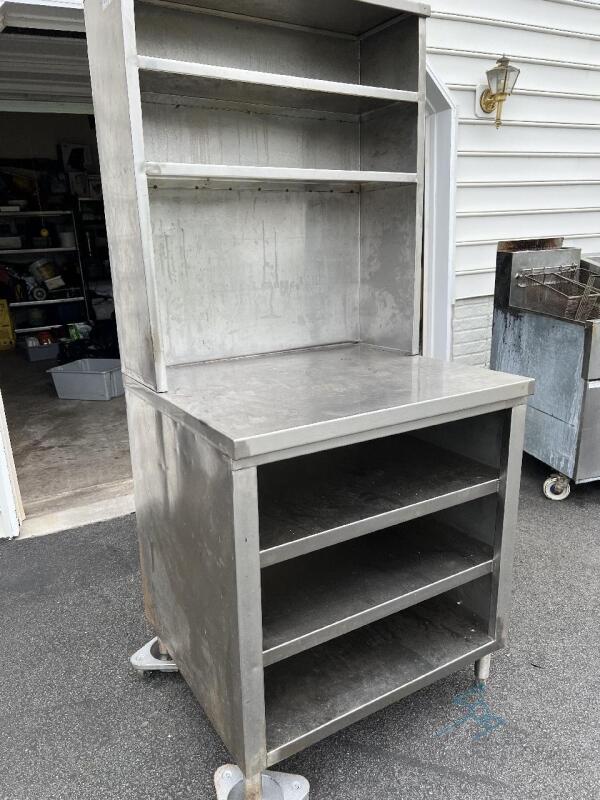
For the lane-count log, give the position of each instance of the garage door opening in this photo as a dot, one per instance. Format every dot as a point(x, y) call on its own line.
point(56, 308)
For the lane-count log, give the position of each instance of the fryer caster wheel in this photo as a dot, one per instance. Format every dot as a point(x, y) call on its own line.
point(557, 487)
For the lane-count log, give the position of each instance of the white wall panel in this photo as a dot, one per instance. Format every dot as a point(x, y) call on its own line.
point(545, 136)
point(565, 15)
point(536, 107)
point(506, 196)
point(512, 167)
point(529, 225)
point(478, 34)
point(470, 68)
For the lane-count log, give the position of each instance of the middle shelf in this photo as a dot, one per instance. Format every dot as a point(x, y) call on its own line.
point(178, 175)
point(323, 595)
point(214, 82)
point(322, 499)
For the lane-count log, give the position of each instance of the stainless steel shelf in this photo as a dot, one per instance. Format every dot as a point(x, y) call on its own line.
point(29, 303)
point(26, 251)
point(42, 328)
point(364, 488)
point(171, 175)
point(184, 78)
point(319, 597)
point(316, 693)
point(35, 213)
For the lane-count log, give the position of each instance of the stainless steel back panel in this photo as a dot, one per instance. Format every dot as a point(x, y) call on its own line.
point(388, 233)
point(247, 44)
point(209, 133)
point(245, 271)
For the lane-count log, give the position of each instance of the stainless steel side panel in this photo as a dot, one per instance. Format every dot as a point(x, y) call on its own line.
point(115, 87)
point(591, 361)
point(198, 531)
point(588, 462)
point(551, 351)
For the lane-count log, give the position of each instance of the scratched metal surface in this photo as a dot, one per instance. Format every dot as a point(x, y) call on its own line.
point(188, 526)
point(245, 272)
point(251, 401)
point(551, 351)
point(217, 133)
point(246, 44)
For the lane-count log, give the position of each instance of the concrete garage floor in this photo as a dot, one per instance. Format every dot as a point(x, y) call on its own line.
point(77, 723)
point(67, 452)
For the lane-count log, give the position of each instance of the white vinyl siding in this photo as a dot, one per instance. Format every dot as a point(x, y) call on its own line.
point(539, 175)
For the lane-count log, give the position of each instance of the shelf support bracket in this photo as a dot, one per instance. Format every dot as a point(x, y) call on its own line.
point(230, 784)
point(153, 657)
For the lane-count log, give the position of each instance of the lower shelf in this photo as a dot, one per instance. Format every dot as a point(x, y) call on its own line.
point(320, 691)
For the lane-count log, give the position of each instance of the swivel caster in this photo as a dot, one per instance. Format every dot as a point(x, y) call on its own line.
point(557, 487)
point(230, 784)
point(153, 657)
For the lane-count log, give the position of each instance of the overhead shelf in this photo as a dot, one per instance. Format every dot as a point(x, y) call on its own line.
point(18, 213)
point(190, 79)
point(365, 488)
point(27, 251)
point(53, 302)
point(318, 597)
point(171, 175)
point(40, 328)
point(322, 690)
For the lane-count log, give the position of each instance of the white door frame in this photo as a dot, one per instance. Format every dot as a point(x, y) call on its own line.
point(11, 507)
point(12, 513)
point(439, 219)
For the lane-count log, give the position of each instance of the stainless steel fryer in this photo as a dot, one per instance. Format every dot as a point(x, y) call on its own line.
point(547, 326)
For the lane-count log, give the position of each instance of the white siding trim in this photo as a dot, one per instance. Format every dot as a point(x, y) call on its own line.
point(522, 59)
point(520, 26)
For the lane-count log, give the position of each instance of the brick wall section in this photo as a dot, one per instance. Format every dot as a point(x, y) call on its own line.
point(472, 330)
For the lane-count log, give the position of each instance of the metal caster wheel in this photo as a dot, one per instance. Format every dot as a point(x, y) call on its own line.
point(152, 657)
point(557, 487)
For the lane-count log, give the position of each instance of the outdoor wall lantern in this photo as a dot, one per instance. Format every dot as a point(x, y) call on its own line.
point(501, 82)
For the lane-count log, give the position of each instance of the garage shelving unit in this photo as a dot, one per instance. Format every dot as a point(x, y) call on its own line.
point(325, 517)
point(21, 258)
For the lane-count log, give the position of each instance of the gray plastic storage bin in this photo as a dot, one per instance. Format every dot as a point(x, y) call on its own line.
point(88, 379)
point(45, 352)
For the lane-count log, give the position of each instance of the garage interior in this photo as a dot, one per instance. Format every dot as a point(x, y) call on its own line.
point(55, 280)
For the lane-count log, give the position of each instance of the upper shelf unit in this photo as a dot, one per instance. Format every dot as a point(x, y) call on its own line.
point(188, 79)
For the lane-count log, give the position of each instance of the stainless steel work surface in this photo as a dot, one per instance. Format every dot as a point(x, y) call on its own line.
point(253, 406)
